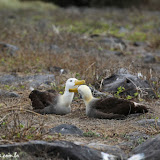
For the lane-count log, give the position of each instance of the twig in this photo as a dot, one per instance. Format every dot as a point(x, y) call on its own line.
point(7, 141)
point(90, 66)
point(4, 117)
point(25, 110)
point(138, 88)
point(101, 84)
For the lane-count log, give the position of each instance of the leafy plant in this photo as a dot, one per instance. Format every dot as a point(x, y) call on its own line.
point(129, 97)
point(90, 134)
point(140, 140)
point(136, 94)
point(3, 136)
point(119, 90)
point(78, 76)
point(29, 136)
point(137, 36)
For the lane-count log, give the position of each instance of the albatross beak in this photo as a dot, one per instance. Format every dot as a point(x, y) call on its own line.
point(75, 90)
point(79, 82)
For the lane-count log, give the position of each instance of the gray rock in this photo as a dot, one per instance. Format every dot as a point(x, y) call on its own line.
point(131, 84)
point(37, 80)
point(113, 150)
point(123, 30)
point(8, 94)
point(67, 129)
point(116, 53)
point(9, 79)
point(146, 122)
point(42, 24)
point(156, 68)
point(157, 52)
point(113, 42)
point(149, 150)
point(149, 59)
point(54, 48)
point(137, 137)
point(158, 29)
point(97, 93)
point(8, 49)
point(123, 71)
point(127, 144)
point(55, 150)
point(12, 94)
point(57, 70)
point(138, 44)
point(32, 81)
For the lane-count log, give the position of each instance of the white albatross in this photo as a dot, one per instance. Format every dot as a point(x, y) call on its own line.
point(50, 102)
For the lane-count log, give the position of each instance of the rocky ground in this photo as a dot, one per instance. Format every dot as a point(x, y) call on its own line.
point(41, 46)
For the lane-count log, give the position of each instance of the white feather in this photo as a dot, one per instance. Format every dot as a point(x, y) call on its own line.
point(31, 88)
point(107, 156)
point(139, 156)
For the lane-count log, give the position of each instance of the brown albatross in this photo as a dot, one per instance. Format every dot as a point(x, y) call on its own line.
point(107, 108)
point(50, 102)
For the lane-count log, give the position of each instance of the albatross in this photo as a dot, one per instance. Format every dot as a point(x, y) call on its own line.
point(50, 102)
point(107, 108)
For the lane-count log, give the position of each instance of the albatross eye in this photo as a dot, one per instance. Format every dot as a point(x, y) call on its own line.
point(70, 80)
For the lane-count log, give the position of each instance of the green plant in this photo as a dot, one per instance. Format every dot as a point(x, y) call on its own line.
point(137, 36)
point(140, 99)
point(18, 135)
point(78, 76)
point(7, 87)
point(49, 137)
point(3, 136)
point(90, 134)
point(136, 94)
point(22, 86)
point(140, 140)
point(60, 92)
point(119, 90)
point(4, 123)
point(29, 136)
point(21, 126)
point(129, 97)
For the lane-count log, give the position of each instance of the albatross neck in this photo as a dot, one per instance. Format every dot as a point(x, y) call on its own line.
point(68, 96)
point(87, 98)
point(67, 93)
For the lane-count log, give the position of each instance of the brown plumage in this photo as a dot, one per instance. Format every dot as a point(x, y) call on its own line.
point(41, 100)
point(114, 108)
point(50, 102)
point(108, 108)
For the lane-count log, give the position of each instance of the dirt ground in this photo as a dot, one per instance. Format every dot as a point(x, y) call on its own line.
point(77, 37)
point(101, 131)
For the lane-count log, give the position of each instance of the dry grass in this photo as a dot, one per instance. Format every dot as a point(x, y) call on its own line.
point(19, 123)
point(34, 31)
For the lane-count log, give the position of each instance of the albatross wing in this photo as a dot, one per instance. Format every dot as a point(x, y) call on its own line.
point(118, 106)
point(43, 101)
point(108, 108)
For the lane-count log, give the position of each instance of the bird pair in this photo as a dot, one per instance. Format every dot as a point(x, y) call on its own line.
point(108, 108)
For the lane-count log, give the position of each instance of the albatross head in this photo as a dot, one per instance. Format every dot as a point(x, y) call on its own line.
point(85, 92)
point(72, 83)
point(66, 99)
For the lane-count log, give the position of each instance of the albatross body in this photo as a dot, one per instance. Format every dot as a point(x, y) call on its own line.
point(108, 108)
point(50, 102)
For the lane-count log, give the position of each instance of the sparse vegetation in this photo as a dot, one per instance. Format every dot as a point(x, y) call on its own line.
point(90, 134)
point(119, 90)
point(75, 40)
